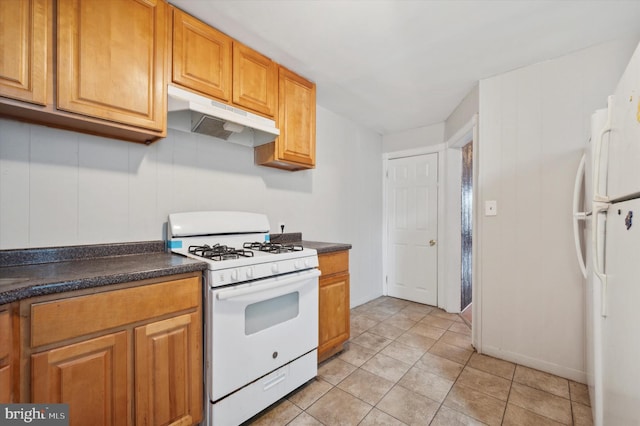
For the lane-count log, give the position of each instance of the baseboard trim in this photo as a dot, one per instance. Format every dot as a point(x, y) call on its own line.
point(548, 367)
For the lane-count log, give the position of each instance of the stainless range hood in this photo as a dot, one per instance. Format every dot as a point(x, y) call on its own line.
point(190, 112)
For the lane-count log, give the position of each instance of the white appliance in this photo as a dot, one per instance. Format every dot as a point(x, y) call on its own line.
point(261, 321)
point(613, 266)
point(190, 112)
point(584, 248)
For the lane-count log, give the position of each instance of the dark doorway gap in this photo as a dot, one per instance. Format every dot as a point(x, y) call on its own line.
point(466, 228)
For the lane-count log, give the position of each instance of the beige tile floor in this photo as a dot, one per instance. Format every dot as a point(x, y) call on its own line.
point(413, 364)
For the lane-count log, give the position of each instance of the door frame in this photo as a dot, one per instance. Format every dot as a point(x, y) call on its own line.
point(468, 133)
point(434, 149)
point(448, 290)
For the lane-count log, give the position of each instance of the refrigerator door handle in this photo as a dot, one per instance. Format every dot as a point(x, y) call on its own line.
point(597, 154)
point(595, 240)
point(579, 215)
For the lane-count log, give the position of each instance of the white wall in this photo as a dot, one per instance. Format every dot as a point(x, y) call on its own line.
point(534, 125)
point(414, 138)
point(461, 115)
point(66, 188)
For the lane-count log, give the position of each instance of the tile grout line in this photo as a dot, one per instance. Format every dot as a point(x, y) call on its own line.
point(508, 396)
point(440, 404)
point(381, 313)
point(397, 383)
point(452, 386)
point(379, 351)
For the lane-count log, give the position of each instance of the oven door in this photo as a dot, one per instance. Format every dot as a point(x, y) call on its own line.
point(258, 327)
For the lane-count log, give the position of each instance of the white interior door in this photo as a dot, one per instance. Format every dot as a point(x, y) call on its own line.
point(412, 214)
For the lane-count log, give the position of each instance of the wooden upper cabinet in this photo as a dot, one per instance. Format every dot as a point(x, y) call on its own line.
point(295, 148)
point(111, 60)
point(255, 80)
point(202, 58)
point(24, 28)
point(297, 119)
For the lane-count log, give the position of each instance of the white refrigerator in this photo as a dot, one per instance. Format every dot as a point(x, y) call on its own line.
point(612, 270)
point(583, 233)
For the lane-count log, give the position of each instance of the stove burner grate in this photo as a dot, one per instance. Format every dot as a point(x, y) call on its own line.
point(219, 252)
point(273, 247)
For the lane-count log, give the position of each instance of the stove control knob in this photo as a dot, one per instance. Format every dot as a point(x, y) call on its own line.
point(274, 268)
point(297, 264)
point(249, 272)
point(307, 263)
point(234, 275)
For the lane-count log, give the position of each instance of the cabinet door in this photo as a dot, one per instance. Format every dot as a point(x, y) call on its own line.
point(6, 384)
point(201, 57)
point(296, 119)
point(6, 354)
point(255, 80)
point(24, 28)
point(333, 312)
point(111, 60)
point(169, 371)
point(90, 376)
point(295, 148)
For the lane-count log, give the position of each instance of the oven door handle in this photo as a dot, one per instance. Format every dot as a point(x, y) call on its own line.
point(251, 289)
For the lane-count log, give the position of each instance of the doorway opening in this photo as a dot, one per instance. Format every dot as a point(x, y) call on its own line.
point(466, 228)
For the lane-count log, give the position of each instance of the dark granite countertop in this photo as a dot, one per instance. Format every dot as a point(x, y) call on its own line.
point(36, 272)
point(322, 247)
point(296, 238)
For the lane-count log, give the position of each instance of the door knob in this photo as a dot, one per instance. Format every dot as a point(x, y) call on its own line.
point(432, 243)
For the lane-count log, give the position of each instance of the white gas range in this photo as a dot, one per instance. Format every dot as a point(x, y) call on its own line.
point(261, 323)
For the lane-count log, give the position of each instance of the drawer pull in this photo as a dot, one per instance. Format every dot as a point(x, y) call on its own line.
point(273, 382)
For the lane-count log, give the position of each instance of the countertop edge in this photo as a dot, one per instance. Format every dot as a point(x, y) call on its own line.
point(42, 289)
point(325, 247)
point(27, 273)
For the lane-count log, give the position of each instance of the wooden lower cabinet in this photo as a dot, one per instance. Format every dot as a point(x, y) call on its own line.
point(128, 356)
point(90, 376)
point(167, 360)
point(334, 321)
point(5, 384)
point(6, 357)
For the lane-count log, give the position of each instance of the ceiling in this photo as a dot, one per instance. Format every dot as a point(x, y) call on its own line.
point(394, 65)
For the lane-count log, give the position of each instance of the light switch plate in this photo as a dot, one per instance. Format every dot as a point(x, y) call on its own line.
point(490, 208)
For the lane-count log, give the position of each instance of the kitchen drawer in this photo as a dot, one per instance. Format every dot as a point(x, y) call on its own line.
point(235, 408)
point(63, 319)
point(333, 263)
